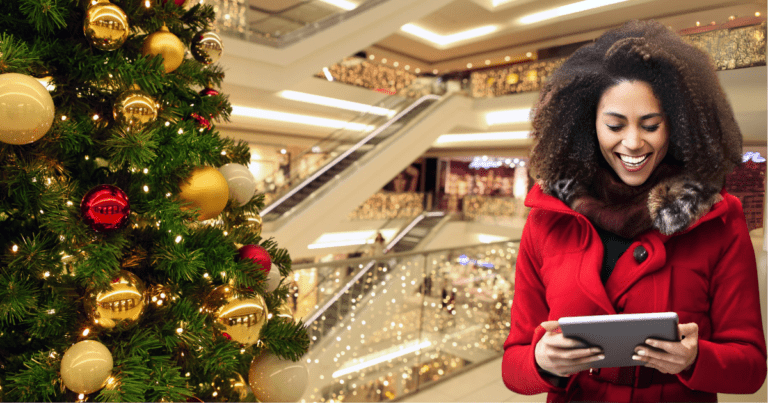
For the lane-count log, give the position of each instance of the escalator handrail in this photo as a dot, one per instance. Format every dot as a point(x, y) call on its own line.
point(352, 149)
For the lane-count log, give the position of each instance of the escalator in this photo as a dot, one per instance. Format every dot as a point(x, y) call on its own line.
point(355, 167)
point(346, 156)
point(416, 231)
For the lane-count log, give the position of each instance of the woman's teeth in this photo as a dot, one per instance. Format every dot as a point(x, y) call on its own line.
point(633, 161)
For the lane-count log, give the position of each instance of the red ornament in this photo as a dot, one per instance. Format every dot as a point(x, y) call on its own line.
point(201, 121)
point(105, 208)
point(209, 92)
point(258, 255)
point(177, 2)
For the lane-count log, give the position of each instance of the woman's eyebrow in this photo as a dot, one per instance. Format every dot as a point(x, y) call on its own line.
point(644, 117)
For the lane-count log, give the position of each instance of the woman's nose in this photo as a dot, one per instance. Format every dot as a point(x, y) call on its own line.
point(632, 140)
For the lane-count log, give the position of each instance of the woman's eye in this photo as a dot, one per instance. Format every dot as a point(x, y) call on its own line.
point(614, 128)
point(651, 128)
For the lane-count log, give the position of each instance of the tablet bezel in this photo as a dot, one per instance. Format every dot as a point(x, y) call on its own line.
point(619, 334)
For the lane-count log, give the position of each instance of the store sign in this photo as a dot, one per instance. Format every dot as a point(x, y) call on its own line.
point(754, 156)
point(486, 162)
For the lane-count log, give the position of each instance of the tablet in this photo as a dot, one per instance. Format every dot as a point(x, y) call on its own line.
point(619, 334)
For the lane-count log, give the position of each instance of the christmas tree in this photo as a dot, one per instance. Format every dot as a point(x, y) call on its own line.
point(131, 262)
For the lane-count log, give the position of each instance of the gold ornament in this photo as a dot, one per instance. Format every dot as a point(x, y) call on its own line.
point(254, 223)
point(207, 47)
point(86, 366)
point(105, 25)
point(273, 379)
point(237, 384)
point(207, 189)
point(167, 45)
point(123, 302)
point(242, 318)
point(26, 109)
point(135, 109)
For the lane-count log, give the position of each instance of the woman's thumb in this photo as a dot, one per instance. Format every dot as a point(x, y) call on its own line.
point(551, 326)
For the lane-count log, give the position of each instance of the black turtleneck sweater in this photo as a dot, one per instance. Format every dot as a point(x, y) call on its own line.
point(614, 246)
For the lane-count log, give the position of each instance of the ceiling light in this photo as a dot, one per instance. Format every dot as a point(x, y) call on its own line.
point(567, 9)
point(296, 118)
point(335, 103)
point(475, 137)
point(508, 116)
point(448, 39)
point(343, 4)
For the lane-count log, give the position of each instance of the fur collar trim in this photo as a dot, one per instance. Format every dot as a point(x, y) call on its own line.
point(674, 204)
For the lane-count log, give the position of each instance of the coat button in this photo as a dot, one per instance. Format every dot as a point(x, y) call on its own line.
point(640, 254)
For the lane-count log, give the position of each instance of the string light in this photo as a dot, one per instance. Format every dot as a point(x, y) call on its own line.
point(86, 331)
point(15, 248)
point(63, 117)
point(96, 117)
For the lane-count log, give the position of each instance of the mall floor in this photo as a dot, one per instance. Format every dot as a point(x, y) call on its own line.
point(481, 384)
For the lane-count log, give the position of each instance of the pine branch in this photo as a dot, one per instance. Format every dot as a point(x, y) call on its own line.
point(46, 15)
point(286, 339)
point(38, 381)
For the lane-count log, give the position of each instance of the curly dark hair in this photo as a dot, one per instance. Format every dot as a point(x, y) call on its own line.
point(704, 138)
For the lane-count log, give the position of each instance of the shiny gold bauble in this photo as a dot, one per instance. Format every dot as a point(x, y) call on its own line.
point(207, 189)
point(86, 366)
point(167, 45)
point(123, 302)
point(26, 109)
point(135, 109)
point(242, 318)
point(106, 25)
point(207, 47)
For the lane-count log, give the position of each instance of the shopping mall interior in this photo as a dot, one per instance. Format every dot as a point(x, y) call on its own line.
point(390, 138)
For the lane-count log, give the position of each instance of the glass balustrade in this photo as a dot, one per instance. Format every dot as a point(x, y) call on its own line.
point(282, 23)
point(389, 325)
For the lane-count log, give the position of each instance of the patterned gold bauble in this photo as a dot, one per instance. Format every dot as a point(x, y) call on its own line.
point(207, 189)
point(105, 25)
point(167, 45)
point(242, 318)
point(207, 47)
point(255, 222)
point(123, 302)
point(135, 109)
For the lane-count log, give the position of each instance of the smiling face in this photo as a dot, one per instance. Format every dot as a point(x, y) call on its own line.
point(632, 130)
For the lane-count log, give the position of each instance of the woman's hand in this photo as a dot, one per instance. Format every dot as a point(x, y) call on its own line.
point(562, 356)
point(671, 357)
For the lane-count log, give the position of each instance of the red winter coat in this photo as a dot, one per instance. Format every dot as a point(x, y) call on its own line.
point(706, 273)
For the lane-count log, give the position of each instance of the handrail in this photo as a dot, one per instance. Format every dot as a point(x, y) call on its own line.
point(346, 153)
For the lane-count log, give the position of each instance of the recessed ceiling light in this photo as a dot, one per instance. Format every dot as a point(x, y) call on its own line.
point(335, 103)
point(507, 58)
point(508, 116)
point(469, 65)
point(567, 9)
point(258, 113)
point(343, 4)
point(475, 137)
point(448, 39)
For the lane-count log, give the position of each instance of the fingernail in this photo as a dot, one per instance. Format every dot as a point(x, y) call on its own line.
point(640, 352)
point(650, 342)
point(601, 357)
point(594, 350)
point(636, 357)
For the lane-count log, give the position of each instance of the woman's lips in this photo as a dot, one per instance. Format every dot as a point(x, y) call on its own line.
point(634, 164)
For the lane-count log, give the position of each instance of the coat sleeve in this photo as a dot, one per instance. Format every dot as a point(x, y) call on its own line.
point(733, 360)
point(529, 308)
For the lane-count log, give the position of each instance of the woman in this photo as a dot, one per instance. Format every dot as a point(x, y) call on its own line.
point(634, 138)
